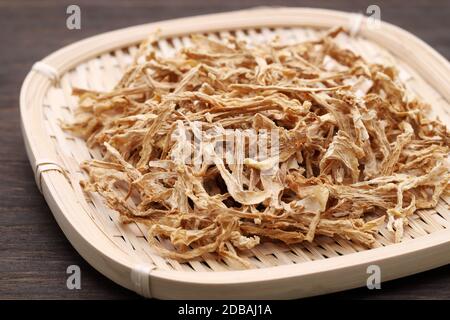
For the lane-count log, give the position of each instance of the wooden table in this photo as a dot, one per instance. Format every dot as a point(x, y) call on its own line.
point(34, 253)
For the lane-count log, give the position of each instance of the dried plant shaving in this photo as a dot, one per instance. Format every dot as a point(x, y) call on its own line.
point(353, 148)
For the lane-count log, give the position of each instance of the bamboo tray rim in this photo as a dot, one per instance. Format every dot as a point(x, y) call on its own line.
point(83, 240)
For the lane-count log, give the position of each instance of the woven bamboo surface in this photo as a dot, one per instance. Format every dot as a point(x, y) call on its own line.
point(101, 72)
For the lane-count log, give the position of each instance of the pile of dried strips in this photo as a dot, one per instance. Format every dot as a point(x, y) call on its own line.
point(354, 151)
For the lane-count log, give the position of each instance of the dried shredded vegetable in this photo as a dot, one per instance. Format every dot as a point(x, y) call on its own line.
point(353, 151)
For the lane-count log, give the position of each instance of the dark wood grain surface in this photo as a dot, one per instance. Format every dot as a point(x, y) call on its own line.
point(34, 253)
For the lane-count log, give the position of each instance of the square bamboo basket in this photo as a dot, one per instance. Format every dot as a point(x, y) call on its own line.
point(122, 253)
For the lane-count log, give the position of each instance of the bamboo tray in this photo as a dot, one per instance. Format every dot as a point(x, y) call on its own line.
point(121, 252)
